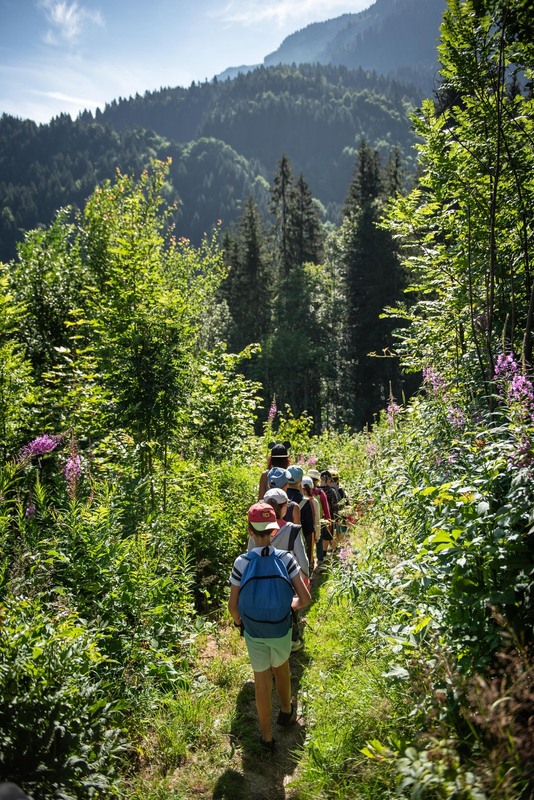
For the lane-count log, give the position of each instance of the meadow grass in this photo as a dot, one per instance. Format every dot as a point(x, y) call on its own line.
point(346, 702)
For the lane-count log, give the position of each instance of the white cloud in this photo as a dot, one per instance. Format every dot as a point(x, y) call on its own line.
point(283, 12)
point(68, 21)
point(78, 102)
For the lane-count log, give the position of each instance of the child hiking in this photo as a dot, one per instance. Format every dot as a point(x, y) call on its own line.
point(262, 588)
point(288, 537)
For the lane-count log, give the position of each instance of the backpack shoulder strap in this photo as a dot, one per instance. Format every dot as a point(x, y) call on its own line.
point(295, 530)
point(303, 502)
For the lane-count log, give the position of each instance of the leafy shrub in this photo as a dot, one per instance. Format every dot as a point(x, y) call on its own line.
point(58, 730)
point(451, 487)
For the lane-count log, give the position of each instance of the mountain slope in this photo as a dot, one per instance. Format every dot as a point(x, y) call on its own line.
point(393, 37)
point(316, 115)
point(224, 137)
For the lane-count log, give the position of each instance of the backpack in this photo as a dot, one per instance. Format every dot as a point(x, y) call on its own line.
point(290, 507)
point(294, 531)
point(332, 497)
point(289, 513)
point(265, 595)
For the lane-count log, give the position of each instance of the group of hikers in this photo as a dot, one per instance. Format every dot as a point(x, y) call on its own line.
point(293, 529)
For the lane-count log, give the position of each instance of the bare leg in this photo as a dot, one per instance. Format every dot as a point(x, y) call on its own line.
point(263, 688)
point(282, 679)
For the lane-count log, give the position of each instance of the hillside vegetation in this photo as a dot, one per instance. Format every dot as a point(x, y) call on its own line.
point(224, 138)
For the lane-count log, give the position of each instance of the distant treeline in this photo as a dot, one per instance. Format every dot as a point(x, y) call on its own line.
point(224, 137)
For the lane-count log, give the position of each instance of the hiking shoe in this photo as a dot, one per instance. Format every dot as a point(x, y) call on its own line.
point(268, 746)
point(298, 644)
point(287, 717)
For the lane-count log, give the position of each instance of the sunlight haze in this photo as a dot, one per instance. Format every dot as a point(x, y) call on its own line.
point(64, 56)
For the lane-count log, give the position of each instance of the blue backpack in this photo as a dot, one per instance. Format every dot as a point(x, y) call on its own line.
point(265, 595)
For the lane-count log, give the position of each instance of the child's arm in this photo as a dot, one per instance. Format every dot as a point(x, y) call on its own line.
point(302, 592)
point(299, 550)
point(232, 604)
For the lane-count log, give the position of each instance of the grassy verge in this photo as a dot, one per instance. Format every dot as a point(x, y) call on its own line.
point(347, 702)
point(188, 741)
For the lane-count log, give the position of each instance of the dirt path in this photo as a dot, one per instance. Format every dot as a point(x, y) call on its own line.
point(253, 774)
point(261, 775)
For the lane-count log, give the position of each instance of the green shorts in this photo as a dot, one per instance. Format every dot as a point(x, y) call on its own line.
point(267, 653)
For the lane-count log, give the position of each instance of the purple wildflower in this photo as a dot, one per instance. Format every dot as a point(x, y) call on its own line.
point(73, 471)
point(272, 411)
point(506, 366)
point(371, 448)
point(393, 410)
point(345, 554)
point(29, 512)
point(312, 461)
point(434, 381)
point(520, 390)
point(524, 455)
point(40, 446)
point(455, 417)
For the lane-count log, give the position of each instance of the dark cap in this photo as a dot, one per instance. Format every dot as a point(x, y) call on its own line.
point(279, 449)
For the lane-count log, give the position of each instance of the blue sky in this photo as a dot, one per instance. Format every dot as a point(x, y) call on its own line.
point(66, 55)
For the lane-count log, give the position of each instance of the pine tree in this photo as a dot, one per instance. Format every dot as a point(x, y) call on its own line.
point(366, 183)
point(306, 227)
point(293, 368)
point(247, 288)
point(282, 201)
point(372, 280)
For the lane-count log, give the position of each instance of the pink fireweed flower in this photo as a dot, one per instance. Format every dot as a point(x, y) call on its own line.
point(345, 553)
point(393, 410)
point(520, 390)
point(73, 471)
point(455, 417)
point(506, 366)
point(40, 446)
point(433, 381)
point(272, 412)
point(29, 511)
point(524, 455)
point(371, 448)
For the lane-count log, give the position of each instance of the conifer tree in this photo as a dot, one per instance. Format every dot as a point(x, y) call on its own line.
point(293, 366)
point(246, 288)
point(282, 203)
point(372, 280)
point(366, 183)
point(306, 227)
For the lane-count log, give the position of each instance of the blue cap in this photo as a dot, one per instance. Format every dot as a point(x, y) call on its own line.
point(278, 477)
point(296, 473)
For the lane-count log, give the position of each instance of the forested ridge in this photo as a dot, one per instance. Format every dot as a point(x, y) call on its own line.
point(224, 137)
point(143, 376)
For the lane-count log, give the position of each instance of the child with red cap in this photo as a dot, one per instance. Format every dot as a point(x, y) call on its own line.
point(269, 654)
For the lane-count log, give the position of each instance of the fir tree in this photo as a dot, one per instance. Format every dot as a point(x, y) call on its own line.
point(247, 289)
point(372, 280)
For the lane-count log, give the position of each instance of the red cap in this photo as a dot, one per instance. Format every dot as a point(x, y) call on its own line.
point(262, 517)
